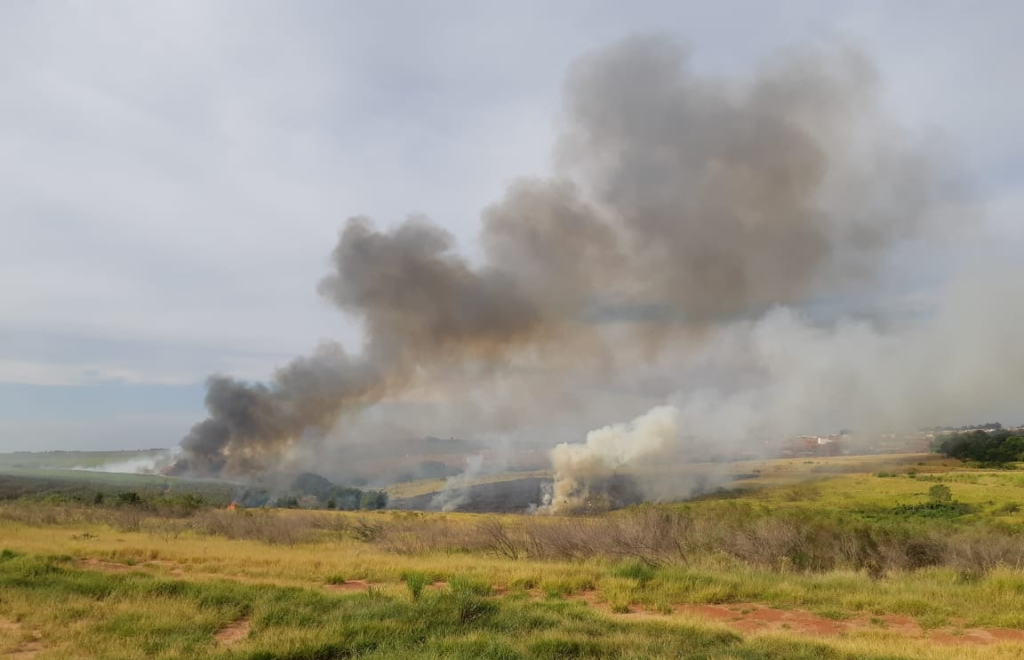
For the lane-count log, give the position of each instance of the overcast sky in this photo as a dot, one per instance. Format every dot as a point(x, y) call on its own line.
point(173, 173)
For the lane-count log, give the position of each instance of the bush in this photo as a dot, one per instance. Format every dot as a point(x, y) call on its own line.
point(130, 498)
point(934, 510)
point(374, 499)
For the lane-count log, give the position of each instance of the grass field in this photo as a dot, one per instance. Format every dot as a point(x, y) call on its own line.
point(811, 558)
point(68, 460)
point(84, 485)
point(72, 475)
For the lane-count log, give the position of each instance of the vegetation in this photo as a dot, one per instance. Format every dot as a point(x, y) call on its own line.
point(128, 615)
point(69, 460)
point(79, 486)
point(137, 578)
point(997, 447)
point(82, 486)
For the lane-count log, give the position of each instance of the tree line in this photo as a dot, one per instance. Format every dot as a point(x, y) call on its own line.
point(997, 447)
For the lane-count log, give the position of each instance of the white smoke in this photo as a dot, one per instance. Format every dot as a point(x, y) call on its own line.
point(963, 361)
point(607, 449)
point(150, 464)
point(456, 489)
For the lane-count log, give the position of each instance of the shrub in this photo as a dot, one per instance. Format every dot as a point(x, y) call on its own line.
point(130, 498)
point(373, 499)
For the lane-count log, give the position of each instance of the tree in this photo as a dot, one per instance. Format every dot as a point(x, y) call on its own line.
point(374, 499)
point(940, 494)
point(129, 497)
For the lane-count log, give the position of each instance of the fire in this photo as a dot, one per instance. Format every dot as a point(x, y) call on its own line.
point(232, 506)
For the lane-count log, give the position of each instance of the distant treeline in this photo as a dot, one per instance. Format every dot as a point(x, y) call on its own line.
point(996, 447)
point(987, 426)
point(307, 491)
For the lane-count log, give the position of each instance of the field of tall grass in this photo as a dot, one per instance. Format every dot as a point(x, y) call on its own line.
point(891, 577)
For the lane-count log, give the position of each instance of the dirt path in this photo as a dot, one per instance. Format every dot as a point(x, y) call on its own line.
point(350, 585)
point(232, 633)
point(24, 650)
point(752, 618)
point(175, 571)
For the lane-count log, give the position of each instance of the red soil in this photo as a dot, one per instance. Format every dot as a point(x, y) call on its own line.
point(349, 585)
point(232, 633)
point(25, 650)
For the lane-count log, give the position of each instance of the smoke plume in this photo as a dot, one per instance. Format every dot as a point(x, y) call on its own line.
point(963, 361)
point(678, 203)
point(576, 465)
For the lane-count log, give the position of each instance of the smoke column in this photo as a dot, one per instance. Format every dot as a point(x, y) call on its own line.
point(677, 202)
point(576, 465)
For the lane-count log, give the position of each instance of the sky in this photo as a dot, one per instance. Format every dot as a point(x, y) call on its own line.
point(174, 173)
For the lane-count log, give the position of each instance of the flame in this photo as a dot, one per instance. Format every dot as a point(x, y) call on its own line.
point(232, 506)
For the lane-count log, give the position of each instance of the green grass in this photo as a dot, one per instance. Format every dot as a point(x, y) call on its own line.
point(980, 494)
point(637, 570)
point(82, 485)
point(83, 614)
point(73, 459)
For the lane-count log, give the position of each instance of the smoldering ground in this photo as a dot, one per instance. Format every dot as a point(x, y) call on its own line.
point(685, 215)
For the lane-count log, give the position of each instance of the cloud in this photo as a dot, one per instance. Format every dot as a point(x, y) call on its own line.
point(35, 373)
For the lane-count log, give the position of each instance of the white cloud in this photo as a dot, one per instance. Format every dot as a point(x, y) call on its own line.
point(37, 373)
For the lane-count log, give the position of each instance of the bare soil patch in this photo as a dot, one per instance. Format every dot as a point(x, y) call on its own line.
point(232, 633)
point(101, 565)
point(176, 570)
point(349, 585)
point(24, 650)
point(752, 618)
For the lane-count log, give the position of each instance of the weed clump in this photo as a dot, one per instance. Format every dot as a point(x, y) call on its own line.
point(635, 570)
point(415, 581)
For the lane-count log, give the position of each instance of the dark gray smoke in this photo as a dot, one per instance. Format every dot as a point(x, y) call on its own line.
point(420, 301)
point(677, 201)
